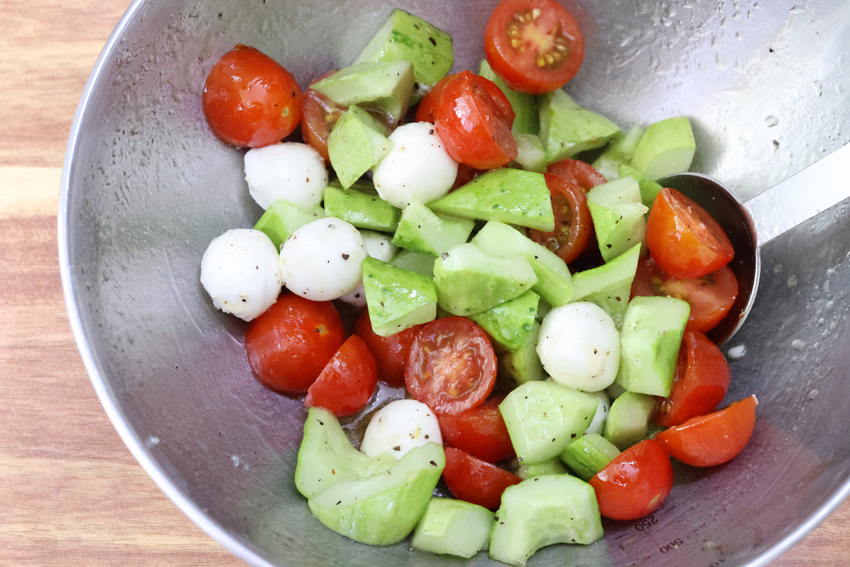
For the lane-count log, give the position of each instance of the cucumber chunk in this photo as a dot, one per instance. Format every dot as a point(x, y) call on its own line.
point(651, 335)
point(396, 298)
point(425, 231)
point(665, 148)
point(609, 285)
point(619, 152)
point(410, 38)
point(531, 156)
point(356, 143)
point(509, 324)
point(543, 511)
point(619, 216)
point(509, 195)
point(453, 527)
point(526, 110)
point(628, 420)
point(552, 466)
point(422, 264)
point(384, 508)
point(649, 189)
point(543, 418)
point(362, 210)
point(567, 129)
point(523, 364)
point(589, 454)
point(282, 219)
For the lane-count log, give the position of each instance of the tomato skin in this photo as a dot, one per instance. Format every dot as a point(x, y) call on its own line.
point(452, 365)
point(347, 382)
point(390, 353)
point(522, 70)
point(702, 379)
point(573, 225)
point(713, 439)
point(427, 108)
point(584, 175)
point(289, 345)
point(684, 240)
point(319, 116)
point(473, 120)
point(710, 297)
point(479, 431)
point(635, 483)
point(250, 100)
point(476, 481)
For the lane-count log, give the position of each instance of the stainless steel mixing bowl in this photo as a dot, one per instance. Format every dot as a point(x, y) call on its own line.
point(146, 186)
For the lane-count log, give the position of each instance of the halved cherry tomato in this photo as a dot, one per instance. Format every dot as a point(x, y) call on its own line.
point(289, 345)
point(250, 100)
point(390, 352)
point(452, 366)
point(347, 382)
point(480, 431)
point(712, 439)
point(474, 120)
point(476, 481)
point(635, 483)
point(710, 297)
point(320, 115)
point(684, 240)
point(427, 108)
point(534, 45)
point(573, 225)
point(584, 175)
point(702, 379)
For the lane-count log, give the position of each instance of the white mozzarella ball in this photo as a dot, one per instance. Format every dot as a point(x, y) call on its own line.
point(378, 246)
point(240, 272)
point(293, 172)
point(323, 259)
point(597, 424)
point(417, 168)
point(579, 346)
point(399, 427)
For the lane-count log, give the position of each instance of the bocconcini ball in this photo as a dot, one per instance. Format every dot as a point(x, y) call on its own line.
point(293, 172)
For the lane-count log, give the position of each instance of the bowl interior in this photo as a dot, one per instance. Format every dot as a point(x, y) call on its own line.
point(147, 186)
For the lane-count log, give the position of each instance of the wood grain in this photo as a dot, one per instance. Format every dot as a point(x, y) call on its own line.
point(70, 492)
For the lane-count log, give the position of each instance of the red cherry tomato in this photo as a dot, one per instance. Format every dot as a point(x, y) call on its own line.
point(712, 439)
point(710, 297)
point(702, 379)
point(474, 120)
point(479, 431)
point(635, 483)
point(390, 352)
point(250, 100)
point(683, 238)
point(320, 115)
point(534, 45)
point(577, 172)
point(348, 381)
point(476, 481)
point(573, 225)
point(452, 366)
point(289, 345)
point(427, 108)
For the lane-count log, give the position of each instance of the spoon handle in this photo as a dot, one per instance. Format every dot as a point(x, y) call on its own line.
point(801, 196)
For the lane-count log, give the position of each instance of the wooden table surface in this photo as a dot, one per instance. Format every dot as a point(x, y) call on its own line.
point(70, 492)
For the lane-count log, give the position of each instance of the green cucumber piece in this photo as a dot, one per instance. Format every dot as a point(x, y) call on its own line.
point(282, 219)
point(384, 508)
point(567, 129)
point(552, 466)
point(619, 152)
point(530, 153)
point(422, 230)
point(619, 216)
point(356, 143)
point(651, 336)
point(542, 511)
point(609, 285)
point(509, 195)
point(665, 148)
point(649, 189)
point(523, 365)
point(396, 298)
point(589, 454)
point(410, 38)
point(544, 417)
point(509, 324)
point(526, 110)
point(628, 420)
point(453, 527)
point(422, 264)
point(361, 210)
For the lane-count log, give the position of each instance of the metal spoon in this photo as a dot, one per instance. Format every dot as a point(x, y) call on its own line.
point(753, 224)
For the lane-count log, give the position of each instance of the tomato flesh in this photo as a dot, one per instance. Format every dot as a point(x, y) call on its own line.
point(390, 352)
point(476, 481)
point(710, 296)
point(479, 431)
point(250, 100)
point(289, 345)
point(577, 172)
point(473, 120)
point(347, 382)
point(635, 483)
point(684, 240)
point(573, 225)
point(320, 115)
point(713, 439)
point(452, 366)
point(702, 379)
point(536, 46)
